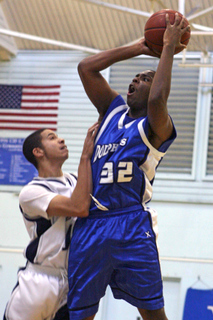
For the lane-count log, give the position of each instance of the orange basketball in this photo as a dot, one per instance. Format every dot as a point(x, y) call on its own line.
point(155, 28)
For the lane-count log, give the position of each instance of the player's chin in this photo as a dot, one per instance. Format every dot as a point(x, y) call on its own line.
point(66, 155)
point(129, 98)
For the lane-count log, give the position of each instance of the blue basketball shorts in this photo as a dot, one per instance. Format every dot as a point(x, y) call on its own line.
point(116, 248)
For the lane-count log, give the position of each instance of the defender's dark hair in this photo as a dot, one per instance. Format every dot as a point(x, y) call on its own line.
point(31, 142)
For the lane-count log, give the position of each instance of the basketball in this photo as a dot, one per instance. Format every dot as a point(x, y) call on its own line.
point(155, 28)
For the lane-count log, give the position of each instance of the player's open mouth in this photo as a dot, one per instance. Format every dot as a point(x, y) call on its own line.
point(131, 89)
point(64, 147)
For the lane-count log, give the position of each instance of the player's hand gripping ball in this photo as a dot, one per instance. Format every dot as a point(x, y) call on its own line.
point(156, 26)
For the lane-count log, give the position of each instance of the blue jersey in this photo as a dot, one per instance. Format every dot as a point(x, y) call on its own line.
point(120, 227)
point(124, 162)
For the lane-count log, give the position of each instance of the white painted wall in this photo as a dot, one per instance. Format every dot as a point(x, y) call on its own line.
point(185, 231)
point(13, 235)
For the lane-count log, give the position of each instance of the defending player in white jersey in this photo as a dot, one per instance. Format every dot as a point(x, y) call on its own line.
point(116, 244)
point(49, 204)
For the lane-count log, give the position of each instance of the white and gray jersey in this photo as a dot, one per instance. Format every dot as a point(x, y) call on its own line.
point(49, 236)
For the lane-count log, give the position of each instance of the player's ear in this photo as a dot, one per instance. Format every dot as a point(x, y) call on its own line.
point(38, 152)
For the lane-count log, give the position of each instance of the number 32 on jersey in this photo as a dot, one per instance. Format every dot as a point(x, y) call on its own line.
point(125, 172)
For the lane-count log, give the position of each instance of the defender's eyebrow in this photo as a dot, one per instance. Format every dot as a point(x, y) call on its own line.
point(51, 134)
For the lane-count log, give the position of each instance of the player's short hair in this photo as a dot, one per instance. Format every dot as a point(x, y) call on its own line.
point(31, 142)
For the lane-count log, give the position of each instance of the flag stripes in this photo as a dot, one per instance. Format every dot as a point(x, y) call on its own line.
point(28, 107)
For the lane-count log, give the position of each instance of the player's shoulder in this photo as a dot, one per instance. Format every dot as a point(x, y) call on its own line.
point(33, 189)
point(118, 102)
point(39, 182)
point(117, 107)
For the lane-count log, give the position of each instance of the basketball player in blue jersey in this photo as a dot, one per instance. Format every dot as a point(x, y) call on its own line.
point(49, 204)
point(116, 244)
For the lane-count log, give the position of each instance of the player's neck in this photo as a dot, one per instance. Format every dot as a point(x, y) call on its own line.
point(135, 113)
point(46, 171)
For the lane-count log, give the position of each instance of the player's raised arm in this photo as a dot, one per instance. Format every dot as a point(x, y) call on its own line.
point(96, 87)
point(79, 203)
point(159, 120)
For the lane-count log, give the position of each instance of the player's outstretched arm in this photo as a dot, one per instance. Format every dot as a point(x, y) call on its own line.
point(160, 123)
point(96, 87)
point(79, 203)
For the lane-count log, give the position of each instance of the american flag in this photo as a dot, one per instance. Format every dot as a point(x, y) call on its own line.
point(28, 107)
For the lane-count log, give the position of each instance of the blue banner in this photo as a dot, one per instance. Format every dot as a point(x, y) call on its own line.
point(14, 168)
point(198, 305)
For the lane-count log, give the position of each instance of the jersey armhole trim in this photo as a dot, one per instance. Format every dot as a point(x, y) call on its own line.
point(146, 141)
